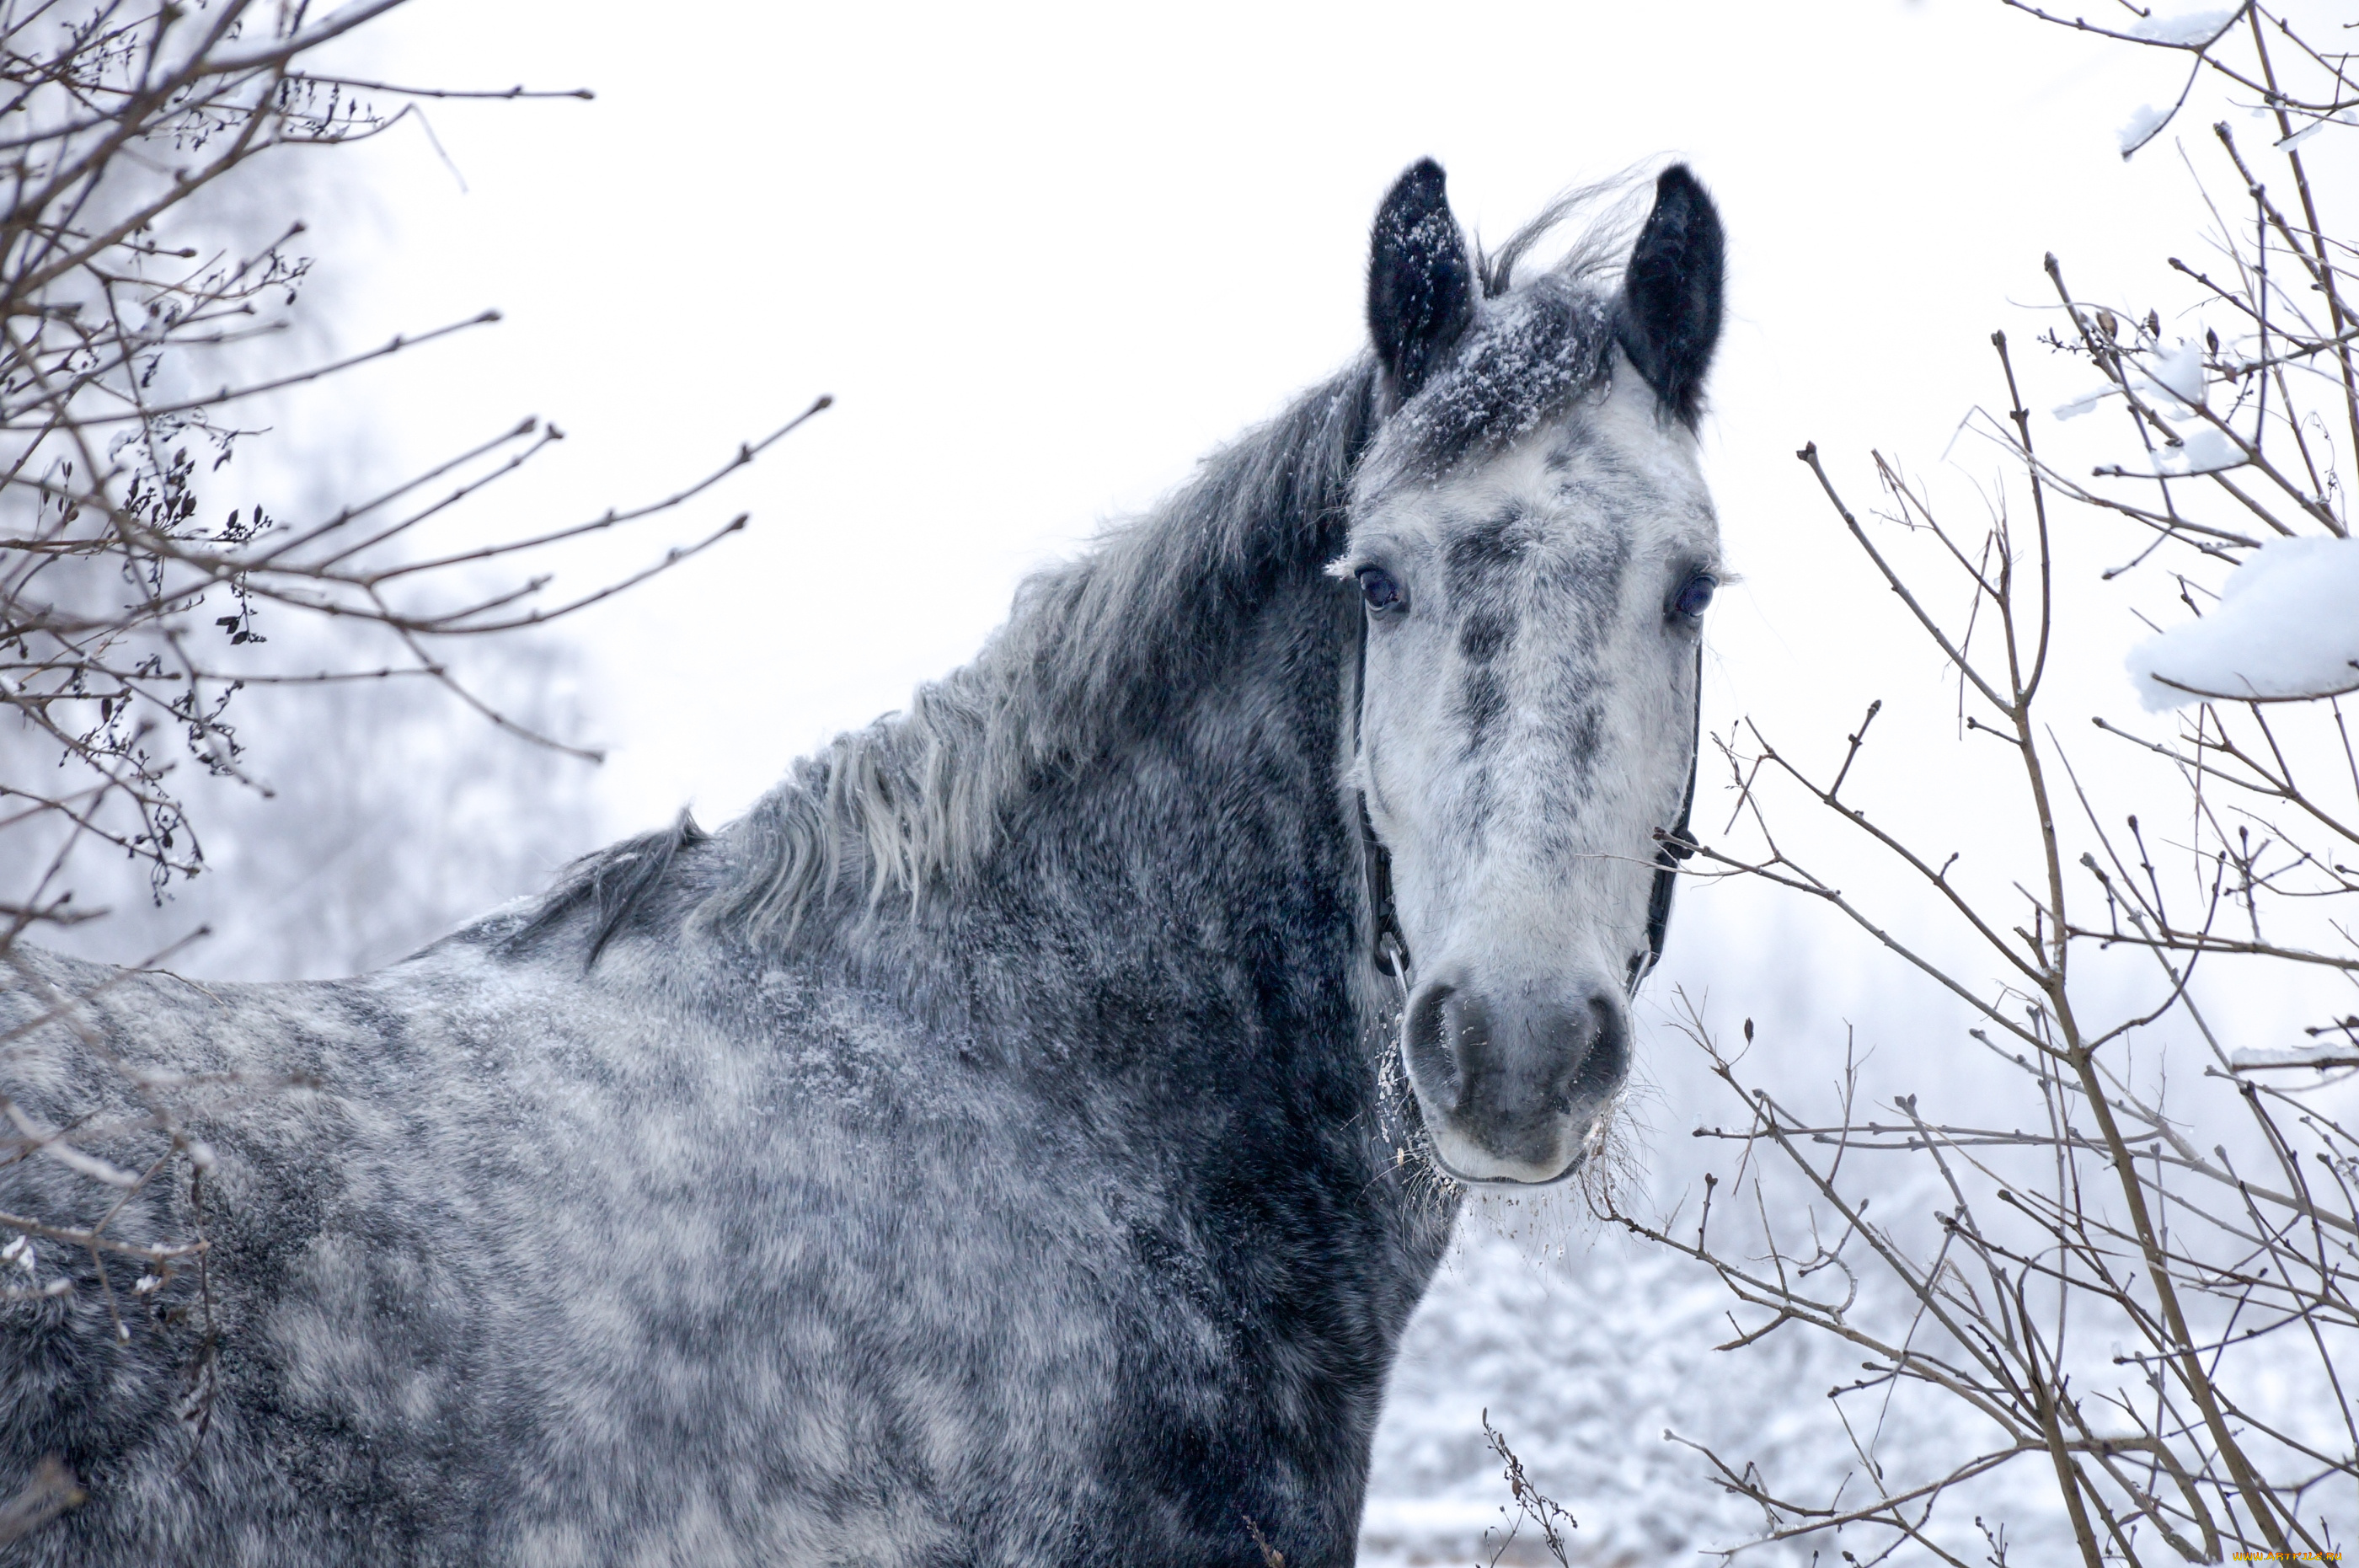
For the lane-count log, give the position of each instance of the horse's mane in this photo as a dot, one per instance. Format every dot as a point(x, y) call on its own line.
point(917, 798)
point(1093, 646)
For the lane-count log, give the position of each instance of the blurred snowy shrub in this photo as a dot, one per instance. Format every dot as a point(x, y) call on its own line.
point(1587, 1358)
point(391, 817)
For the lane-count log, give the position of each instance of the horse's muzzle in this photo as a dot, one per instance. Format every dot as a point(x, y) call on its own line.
point(1514, 1085)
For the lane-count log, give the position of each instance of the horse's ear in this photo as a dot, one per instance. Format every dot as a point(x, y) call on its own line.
point(1670, 294)
point(1421, 280)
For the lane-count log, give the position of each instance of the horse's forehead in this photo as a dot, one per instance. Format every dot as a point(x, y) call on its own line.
point(1573, 503)
point(1621, 455)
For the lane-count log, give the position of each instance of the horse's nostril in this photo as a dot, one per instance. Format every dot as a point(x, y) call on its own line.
point(1608, 1056)
point(1432, 1034)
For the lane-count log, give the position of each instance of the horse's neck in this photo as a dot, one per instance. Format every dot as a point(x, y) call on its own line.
point(1202, 867)
point(1212, 950)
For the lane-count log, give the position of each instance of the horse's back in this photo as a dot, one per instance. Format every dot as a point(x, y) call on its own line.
point(509, 1261)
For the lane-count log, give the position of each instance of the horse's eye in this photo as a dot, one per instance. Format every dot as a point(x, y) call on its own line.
point(1697, 596)
point(1376, 585)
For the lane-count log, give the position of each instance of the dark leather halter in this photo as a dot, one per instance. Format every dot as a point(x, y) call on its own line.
point(1389, 946)
point(1677, 844)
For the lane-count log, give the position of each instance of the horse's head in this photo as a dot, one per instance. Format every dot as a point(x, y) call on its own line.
point(1532, 537)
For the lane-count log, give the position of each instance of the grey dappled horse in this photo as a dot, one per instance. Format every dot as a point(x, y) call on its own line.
point(990, 1149)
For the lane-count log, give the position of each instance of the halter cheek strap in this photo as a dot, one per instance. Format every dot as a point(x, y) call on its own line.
point(1390, 954)
point(1677, 845)
point(1388, 945)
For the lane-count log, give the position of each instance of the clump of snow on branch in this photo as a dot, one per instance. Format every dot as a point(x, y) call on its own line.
point(2179, 372)
point(2321, 1057)
point(2346, 117)
point(2194, 28)
point(2176, 375)
point(2207, 451)
point(2139, 128)
point(2083, 403)
point(2287, 626)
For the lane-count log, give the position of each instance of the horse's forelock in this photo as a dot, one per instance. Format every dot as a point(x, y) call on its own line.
point(1610, 215)
point(1542, 341)
point(1534, 353)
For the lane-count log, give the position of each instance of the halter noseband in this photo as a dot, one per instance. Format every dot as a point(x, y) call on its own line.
point(1389, 946)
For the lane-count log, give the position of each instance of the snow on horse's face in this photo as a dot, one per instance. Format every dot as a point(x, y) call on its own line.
point(1535, 544)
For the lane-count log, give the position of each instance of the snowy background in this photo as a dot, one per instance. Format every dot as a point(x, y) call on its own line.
point(1044, 257)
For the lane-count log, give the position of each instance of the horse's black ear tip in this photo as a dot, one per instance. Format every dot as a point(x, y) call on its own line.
point(1671, 294)
point(1422, 187)
point(1420, 278)
point(1680, 197)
